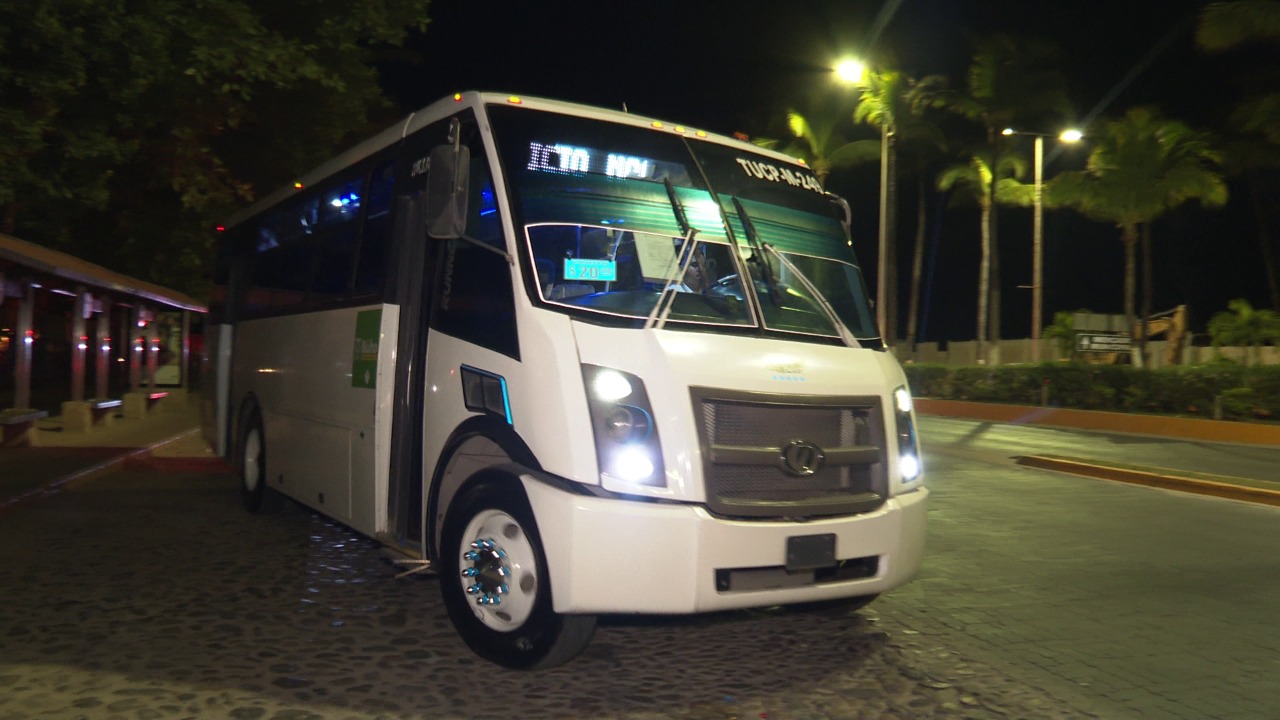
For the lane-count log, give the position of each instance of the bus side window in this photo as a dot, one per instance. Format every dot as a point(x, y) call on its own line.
point(476, 301)
point(338, 231)
point(371, 265)
point(281, 263)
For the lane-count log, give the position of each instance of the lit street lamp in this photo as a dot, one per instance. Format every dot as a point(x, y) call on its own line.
point(852, 71)
point(1037, 232)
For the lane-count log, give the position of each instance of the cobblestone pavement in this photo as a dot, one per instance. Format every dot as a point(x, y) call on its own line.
point(150, 594)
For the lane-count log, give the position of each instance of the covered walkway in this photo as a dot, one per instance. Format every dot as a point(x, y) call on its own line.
point(86, 343)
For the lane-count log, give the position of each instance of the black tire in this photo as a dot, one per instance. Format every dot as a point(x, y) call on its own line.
point(255, 492)
point(507, 618)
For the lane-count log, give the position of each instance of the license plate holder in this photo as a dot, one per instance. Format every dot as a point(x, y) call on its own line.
point(811, 552)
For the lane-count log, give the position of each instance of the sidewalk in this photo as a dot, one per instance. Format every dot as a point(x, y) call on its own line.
point(169, 436)
point(1265, 490)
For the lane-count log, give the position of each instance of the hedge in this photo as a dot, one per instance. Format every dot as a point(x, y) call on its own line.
point(1221, 388)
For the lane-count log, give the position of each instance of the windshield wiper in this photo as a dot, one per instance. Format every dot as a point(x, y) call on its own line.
point(681, 218)
point(666, 298)
point(845, 335)
point(757, 256)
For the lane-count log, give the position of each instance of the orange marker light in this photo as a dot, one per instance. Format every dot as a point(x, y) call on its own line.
point(514, 100)
point(297, 186)
point(457, 97)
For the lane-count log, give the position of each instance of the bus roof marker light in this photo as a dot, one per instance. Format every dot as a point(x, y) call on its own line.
point(457, 97)
point(514, 100)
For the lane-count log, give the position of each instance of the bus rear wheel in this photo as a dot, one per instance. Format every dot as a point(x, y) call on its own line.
point(495, 583)
point(258, 497)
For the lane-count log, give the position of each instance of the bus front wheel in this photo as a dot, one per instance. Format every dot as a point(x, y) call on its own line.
point(495, 583)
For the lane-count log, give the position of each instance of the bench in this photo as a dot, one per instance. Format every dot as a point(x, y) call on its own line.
point(17, 423)
point(84, 415)
point(140, 404)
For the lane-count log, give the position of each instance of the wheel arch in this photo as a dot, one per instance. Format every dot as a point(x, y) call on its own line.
point(479, 444)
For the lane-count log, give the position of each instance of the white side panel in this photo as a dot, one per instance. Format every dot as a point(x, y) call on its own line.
point(388, 342)
point(310, 461)
point(318, 419)
point(221, 341)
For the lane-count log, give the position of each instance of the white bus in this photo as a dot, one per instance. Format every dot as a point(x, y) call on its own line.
point(580, 361)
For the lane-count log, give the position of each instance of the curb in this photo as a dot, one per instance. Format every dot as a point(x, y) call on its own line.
point(90, 473)
point(1152, 478)
point(1225, 431)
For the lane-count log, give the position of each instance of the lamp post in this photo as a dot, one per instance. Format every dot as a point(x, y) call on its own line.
point(1037, 231)
point(852, 71)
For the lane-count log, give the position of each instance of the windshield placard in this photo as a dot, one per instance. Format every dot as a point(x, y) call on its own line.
point(590, 270)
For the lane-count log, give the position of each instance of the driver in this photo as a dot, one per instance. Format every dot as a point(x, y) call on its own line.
point(695, 276)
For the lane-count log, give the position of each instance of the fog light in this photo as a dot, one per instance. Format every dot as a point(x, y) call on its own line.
point(632, 464)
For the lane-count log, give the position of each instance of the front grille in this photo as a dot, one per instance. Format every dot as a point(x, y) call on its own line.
point(743, 438)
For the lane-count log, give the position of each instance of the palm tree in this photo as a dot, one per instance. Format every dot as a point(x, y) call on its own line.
point(817, 140)
point(977, 177)
point(1008, 81)
point(1241, 325)
point(1141, 167)
point(1254, 153)
point(895, 103)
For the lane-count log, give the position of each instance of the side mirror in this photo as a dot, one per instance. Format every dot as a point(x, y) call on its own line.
point(846, 211)
point(447, 182)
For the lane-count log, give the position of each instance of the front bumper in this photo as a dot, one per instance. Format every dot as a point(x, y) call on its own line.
point(616, 556)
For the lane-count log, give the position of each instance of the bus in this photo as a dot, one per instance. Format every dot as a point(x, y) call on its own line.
point(579, 361)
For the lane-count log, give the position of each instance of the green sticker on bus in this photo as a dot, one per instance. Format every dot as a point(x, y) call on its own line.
point(364, 360)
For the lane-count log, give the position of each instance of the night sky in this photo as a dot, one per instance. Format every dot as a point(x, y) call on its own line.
point(737, 66)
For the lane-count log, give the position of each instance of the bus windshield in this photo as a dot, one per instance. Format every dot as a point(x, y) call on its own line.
point(630, 224)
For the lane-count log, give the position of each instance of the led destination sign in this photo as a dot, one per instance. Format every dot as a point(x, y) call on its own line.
point(562, 158)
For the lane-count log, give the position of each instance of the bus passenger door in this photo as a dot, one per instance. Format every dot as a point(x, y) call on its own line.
point(413, 274)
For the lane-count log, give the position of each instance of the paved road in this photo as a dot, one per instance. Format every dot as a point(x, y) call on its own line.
point(148, 593)
point(1132, 601)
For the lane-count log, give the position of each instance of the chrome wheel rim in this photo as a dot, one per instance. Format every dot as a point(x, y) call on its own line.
point(498, 571)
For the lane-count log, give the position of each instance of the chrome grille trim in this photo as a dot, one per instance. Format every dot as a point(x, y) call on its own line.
point(742, 437)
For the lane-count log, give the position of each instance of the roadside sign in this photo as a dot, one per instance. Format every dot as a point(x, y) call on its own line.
point(1095, 342)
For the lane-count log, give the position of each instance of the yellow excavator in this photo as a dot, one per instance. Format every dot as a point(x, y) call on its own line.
point(1173, 325)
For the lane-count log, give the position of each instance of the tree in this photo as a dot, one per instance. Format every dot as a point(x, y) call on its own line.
point(1243, 326)
point(125, 128)
point(816, 138)
point(895, 103)
point(978, 178)
point(1142, 166)
point(1009, 81)
point(1254, 152)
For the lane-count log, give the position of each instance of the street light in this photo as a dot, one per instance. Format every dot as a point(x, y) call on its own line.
point(852, 71)
point(1037, 231)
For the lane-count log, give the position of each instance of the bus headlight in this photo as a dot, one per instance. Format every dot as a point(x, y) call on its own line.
point(627, 446)
point(909, 466)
